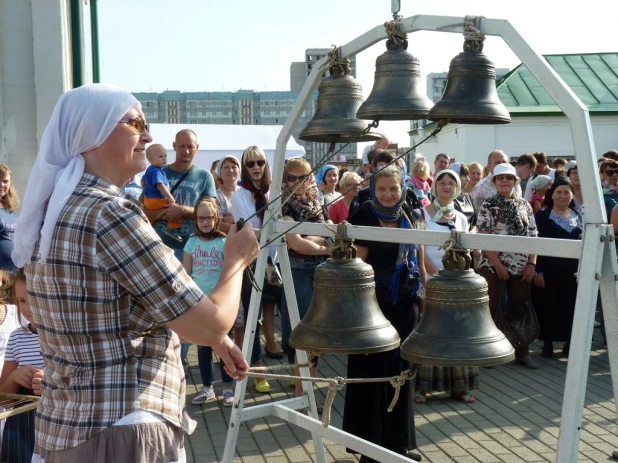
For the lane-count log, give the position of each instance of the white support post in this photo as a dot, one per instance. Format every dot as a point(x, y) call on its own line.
point(581, 339)
point(591, 251)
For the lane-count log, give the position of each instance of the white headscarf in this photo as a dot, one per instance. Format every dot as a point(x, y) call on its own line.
point(82, 120)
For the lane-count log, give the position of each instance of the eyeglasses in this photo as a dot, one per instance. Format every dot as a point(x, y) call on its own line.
point(205, 219)
point(611, 172)
point(139, 123)
point(260, 163)
point(504, 177)
point(295, 178)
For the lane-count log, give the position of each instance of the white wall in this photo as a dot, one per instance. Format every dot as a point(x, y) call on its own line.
point(552, 135)
point(33, 74)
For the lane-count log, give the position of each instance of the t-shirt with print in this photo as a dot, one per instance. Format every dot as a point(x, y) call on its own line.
point(154, 176)
point(207, 261)
point(493, 221)
point(196, 185)
point(7, 231)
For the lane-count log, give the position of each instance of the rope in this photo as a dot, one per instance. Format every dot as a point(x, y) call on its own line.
point(393, 33)
point(455, 256)
point(473, 37)
point(334, 384)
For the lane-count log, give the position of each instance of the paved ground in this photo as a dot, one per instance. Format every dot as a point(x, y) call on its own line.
point(516, 418)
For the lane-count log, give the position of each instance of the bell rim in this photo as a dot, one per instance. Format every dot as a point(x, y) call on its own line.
point(356, 351)
point(455, 362)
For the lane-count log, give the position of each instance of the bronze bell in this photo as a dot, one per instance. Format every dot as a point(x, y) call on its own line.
point(470, 96)
point(457, 328)
point(334, 121)
point(344, 316)
point(397, 93)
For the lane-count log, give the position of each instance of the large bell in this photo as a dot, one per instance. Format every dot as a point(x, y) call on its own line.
point(457, 328)
point(334, 121)
point(344, 316)
point(397, 93)
point(470, 96)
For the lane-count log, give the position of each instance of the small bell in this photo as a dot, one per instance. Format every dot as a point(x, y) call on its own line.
point(344, 316)
point(470, 96)
point(397, 93)
point(457, 328)
point(339, 96)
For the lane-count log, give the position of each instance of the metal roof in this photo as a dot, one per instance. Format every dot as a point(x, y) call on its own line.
point(593, 77)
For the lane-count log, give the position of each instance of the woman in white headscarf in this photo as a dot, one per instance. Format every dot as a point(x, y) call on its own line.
point(441, 215)
point(106, 293)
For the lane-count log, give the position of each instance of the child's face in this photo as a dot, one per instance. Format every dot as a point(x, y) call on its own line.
point(158, 159)
point(205, 218)
point(22, 300)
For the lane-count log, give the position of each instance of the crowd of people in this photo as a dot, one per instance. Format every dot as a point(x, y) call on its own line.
point(106, 283)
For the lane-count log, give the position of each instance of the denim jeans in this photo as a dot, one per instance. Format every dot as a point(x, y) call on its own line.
point(204, 358)
point(245, 296)
point(303, 287)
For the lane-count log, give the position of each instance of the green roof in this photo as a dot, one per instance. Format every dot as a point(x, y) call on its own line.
point(592, 77)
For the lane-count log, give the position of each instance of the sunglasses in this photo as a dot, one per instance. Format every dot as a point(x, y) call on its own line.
point(139, 124)
point(295, 178)
point(611, 172)
point(260, 163)
point(504, 177)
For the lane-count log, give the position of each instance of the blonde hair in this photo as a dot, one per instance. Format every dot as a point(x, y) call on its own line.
point(6, 288)
point(10, 199)
point(420, 169)
point(244, 173)
point(296, 164)
point(19, 275)
point(347, 179)
point(388, 172)
point(477, 165)
point(215, 232)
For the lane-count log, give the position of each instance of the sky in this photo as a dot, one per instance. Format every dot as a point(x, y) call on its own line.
point(206, 45)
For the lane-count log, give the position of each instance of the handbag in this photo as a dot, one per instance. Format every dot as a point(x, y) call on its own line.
point(272, 276)
point(519, 324)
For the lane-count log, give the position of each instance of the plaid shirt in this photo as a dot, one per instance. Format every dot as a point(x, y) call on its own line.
point(100, 305)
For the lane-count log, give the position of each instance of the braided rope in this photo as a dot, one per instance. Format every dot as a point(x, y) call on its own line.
point(334, 384)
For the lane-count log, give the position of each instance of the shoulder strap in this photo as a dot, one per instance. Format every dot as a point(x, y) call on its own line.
point(180, 180)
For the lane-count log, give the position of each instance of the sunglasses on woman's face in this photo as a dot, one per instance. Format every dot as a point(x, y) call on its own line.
point(611, 172)
point(260, 163)
point(295, 178)
point(138, 123)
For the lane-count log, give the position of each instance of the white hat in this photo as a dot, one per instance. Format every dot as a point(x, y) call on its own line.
point(505, 169)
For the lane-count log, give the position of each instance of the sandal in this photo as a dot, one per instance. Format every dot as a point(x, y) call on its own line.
point(420, 397)
point(464, 397)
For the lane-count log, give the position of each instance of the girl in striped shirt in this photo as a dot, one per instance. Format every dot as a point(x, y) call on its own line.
point(22, 373)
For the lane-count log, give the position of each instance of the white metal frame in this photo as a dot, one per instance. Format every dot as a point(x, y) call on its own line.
point(596, 252)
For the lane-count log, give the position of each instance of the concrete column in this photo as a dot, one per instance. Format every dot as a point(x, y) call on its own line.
point(34, 67)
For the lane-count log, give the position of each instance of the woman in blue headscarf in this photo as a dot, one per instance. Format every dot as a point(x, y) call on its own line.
point(326, 179)
point(399, 276)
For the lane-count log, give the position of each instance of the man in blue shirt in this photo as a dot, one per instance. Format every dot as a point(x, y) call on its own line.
point(196, 184)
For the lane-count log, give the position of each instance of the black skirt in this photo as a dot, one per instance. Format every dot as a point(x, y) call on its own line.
point(365, 411)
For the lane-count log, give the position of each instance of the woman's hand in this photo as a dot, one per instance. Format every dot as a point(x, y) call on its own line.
point(232, 357)
point(37, 381)
point(501, 272)
point(528, 274)
point(539, 281)
point(242, 245)
point(23, 375)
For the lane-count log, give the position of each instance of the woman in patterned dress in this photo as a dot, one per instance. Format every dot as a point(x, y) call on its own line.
point(505, 214)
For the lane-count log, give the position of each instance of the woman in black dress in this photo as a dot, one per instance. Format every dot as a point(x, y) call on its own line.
point(399, 275)
point(555, 285)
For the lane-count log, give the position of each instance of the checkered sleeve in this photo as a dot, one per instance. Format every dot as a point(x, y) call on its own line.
point(130, 251)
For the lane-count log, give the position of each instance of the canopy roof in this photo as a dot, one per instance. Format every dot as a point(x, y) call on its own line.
point(593, 77)
point(216, 141)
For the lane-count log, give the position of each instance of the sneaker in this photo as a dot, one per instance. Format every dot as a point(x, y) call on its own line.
point(203, 396)
point(228, 397)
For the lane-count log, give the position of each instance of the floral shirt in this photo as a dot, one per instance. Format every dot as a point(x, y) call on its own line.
point(493, 221)
point(223, 203)
point(486, 189)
